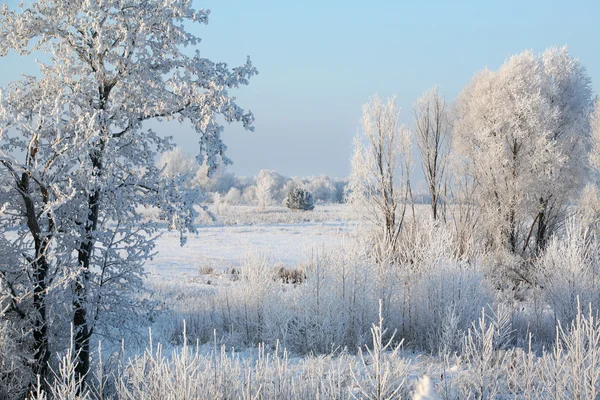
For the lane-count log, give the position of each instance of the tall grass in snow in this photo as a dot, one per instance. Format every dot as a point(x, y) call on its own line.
point(484, 369)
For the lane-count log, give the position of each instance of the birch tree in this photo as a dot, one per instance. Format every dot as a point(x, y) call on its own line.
point(379, 183)
point(266, 183)
point(80, 162)
point(433, 139)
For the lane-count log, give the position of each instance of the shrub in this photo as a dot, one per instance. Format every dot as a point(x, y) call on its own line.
point(568, 272)
point(299, 199)
point(291, 275)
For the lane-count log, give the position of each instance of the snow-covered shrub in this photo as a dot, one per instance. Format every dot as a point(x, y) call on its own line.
point(315, 308)
point(573, 369)
point(249, 304)
point(299, 199)
point(425, 243)
point(449, 297)
point(233, 196)
point(442, 295)
point(386, 373)
point(569, 272)
point(220, 204)
point(485, 361)
point(336, 303)
point(66, 384)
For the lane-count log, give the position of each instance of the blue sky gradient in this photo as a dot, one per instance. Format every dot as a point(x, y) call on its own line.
point(319, 61)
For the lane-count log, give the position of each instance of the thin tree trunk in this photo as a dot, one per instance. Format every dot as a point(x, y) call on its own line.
point(82, 329)
point(40, 269)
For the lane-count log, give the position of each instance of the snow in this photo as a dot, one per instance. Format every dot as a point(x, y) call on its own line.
point(224, 247)
point(425, 390)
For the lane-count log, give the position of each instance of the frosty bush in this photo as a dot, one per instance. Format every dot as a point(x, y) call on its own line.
point(448, 299)
point(15, 374)
point(385, 371)
point(569, 272)
point(299, 199)
point(570, 368)
point(251, 308)
point(233, 196)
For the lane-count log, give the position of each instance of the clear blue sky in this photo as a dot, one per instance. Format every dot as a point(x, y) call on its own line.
point(319, 61)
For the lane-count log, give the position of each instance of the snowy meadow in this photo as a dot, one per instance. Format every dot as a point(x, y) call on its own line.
point(300, 310)
point(130, 269)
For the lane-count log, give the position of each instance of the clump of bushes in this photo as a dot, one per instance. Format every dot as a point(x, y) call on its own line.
point(291, 275)
point(299, 199)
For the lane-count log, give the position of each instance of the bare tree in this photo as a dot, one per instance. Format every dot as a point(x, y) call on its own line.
point(266, 182)
point(432, 132)
point(379, 186)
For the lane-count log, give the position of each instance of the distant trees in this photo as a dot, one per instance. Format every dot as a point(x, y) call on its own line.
point(522, 131)
point(176, 163)
point(268, 187)
point(379, 182)
point(432, 132)
point(266, 182)
point(322, 188)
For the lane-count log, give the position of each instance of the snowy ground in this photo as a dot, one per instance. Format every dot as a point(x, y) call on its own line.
point(222, 247)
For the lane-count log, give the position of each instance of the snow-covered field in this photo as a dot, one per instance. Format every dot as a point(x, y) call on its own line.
point(222, 247)
point(260, 335)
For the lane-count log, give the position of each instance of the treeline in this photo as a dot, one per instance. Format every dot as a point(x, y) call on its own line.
point(265, 189)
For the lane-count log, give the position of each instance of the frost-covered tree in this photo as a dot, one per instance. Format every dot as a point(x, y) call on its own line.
point(432, 132)
point(176, 162)
point(214, 180)
point(80, 164)
point(321, 187)
point(267, 182)
point(233, 196)
point(595, 129)
point(522, 131)
point(379, 182)
point(339, 185)
point(299, 199)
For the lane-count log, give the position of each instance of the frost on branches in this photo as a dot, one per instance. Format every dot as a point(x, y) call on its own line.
point(432, 134)
point(299, 199)
point(523, 131)
point(379, 182)
point(76, 163)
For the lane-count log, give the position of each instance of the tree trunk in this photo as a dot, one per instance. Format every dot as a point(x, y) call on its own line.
point(81, 327)
point(40, 330)
point(542, 231)
point(40, 268)
point(85, 253)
